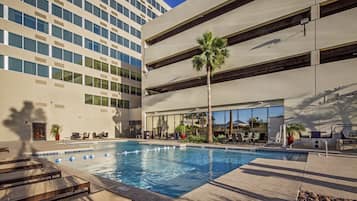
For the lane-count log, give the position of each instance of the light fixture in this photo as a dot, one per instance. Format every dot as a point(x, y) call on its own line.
point(303, 22)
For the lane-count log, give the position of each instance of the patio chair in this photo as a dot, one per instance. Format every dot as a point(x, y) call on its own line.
point(75, 136)
point(255, 137)
point(246, 137)
point(105, 135)
point(85, 135)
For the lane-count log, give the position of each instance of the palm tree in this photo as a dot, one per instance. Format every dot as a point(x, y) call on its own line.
point(214, 52)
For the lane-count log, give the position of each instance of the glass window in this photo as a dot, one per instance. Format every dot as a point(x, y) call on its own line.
point(67, 35)
point(97, 100)
point(105, 67)
point(15, 64)
point(57, 52)
point(29, 68)
point(67, 15)
point(113, 70)
point(1, 10)
point(56, 10)
point(88, 99)
point(88, 81)
point(88, 6)
point(1, 36)
point(113, 102)
point(78, 3)
point(105, 84)
point(77, 59)
point(31, 2)
point(67, 76)
point(77, 39)
point(88, 62)
point(276, 111)
point(1, 61)
point(15, 40)
point(97, 82)
point(244, 119)
point(15, 16)
point(96, 29)
point(68, 56)
point(105, 50)
point(42, 70)
point(88, 25)
point(30, 21)
point(42, 48)
point(96, 11)
point(57, 31)
point(42, 4)
point(259, 123)
point(113, 86)
point(77, 20)
point(104, 15)
point(97, 65)
point(105, 101)
point(42, 26)
point(96, 46)
point(78, 78)
point(30, 44)
point(88, 44)
point(105, 33)
point(57, 73)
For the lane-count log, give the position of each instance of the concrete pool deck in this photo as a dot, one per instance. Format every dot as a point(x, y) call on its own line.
point(262, 179)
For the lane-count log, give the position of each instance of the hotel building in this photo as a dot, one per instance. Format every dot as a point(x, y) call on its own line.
point(290, 61)
point(75, 63)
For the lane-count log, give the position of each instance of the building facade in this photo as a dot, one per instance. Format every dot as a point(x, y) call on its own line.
point(290, 61)
point(75, 63)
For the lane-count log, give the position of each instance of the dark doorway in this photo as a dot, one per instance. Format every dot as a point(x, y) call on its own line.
point(38, 131)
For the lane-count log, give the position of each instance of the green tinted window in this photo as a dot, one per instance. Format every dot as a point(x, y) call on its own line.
point(113, 102)
point(78, 78)
point(97, 82)
point(68, 76)
point(88, 62)
point(97, 65)
point(105, 67)
point(113, 69)
point(113, 86)
point(88, 81)
point(88, 99)
point(105, 84)
point(97, 100)
point(56, 74)
point(105, 101)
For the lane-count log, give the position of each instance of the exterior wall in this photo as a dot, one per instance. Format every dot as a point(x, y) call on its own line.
point(27, 98)
point(319, 96)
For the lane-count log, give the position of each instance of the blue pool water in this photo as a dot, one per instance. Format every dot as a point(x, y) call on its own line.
point(171, 171)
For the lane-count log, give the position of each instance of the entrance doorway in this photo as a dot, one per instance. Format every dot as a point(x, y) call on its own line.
point(38, 131)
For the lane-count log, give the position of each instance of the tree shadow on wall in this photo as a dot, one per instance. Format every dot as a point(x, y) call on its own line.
point(19, 122)
point(330, 107)
point(117, 122)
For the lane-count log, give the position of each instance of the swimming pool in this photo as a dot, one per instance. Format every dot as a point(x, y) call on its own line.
point(168, 170)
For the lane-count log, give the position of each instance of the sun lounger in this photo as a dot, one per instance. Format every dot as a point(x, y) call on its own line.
point(14, 160)
point(20, 166)
point(4, 149)
point(46, 190)
point(23, 177)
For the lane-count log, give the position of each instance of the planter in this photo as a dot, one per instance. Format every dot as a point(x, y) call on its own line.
point(57, 137)
point(290, 139)
point(183, 136)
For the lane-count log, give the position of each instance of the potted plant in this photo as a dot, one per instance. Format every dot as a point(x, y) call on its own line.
point(55, 130)
point(181, 131)
point(294, 130)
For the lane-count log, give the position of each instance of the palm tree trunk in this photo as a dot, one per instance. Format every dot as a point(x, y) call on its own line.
point(210, 134)
point(230, 123)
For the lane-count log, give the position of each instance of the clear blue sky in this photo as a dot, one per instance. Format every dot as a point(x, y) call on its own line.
point(174, 3)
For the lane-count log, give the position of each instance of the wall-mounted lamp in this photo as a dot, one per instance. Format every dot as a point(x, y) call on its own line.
point(303, 22)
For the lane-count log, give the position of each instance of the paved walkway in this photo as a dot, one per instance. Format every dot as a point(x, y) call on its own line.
point(267, 179)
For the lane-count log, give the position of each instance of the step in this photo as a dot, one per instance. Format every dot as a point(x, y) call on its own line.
point(5, 168)
point(14, 160)
point(23, 177)
point(46, 190)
